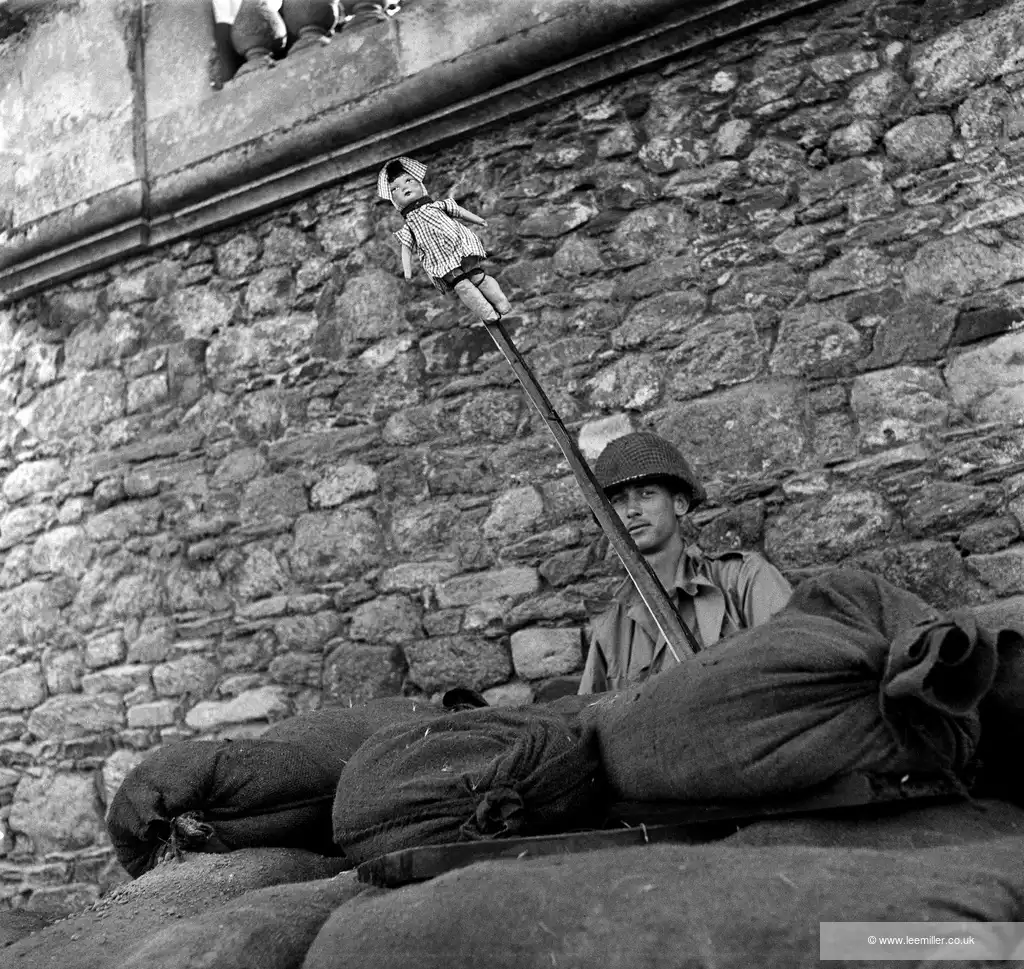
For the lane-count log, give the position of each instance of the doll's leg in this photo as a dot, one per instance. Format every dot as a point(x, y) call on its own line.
point(490, 288)
point(476, 301)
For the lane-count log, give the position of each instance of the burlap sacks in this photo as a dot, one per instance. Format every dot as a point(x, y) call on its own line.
point(853, 675)
point(470, 775)
point(100, 937)
point(266, 929)
point(333, 734)
point(220, 796)
point(666, 906)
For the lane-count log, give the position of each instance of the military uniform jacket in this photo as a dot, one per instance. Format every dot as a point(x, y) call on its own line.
point(716, 595)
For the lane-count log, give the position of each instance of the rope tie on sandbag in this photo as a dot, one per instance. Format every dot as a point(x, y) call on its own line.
point(501, 811)
point(189, 832)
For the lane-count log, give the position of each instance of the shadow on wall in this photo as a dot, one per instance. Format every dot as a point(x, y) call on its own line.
point(251, 35)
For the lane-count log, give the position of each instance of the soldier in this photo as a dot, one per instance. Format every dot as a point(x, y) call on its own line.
point(651, 486)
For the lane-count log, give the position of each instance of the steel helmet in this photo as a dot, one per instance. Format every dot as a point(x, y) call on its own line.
point(641, 456)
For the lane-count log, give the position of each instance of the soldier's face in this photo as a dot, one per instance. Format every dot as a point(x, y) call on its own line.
point(649, 511)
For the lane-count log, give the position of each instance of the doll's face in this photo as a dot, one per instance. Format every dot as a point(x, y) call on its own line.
point(406, 189)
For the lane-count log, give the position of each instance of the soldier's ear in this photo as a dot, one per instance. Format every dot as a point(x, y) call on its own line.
point(682, 504)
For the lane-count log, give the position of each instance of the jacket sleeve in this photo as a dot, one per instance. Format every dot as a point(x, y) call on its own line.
point(763, 589)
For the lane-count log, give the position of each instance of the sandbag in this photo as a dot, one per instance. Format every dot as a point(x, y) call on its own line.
point(901, 825)
point(220, 796)
point(1002, 715)
point(266, 929)
point(99, 937)
point(666, 906)
point(471, 775)
point(333, 734)
point(853, 675)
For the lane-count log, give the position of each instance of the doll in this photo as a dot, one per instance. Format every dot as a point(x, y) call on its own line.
point(449, 252)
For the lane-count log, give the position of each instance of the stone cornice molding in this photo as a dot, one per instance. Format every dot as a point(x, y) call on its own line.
point(588, 44)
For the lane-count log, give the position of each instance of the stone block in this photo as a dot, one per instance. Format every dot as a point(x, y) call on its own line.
point(276, 496)
point(62, 670)
point(551, 221)
point(652, 320)
point(124, 521)
point(260, 574)
point(340, 234)
point(355, 671)
point(827, 529)
point(22, 687)
point(116, 768)
point(270, 291)
point(513, 512)
point(64, 549)
point(58, 811)
point(74, 405)
point(264, 703)
point(449, 661)
point(416, 576)
point(145, 393)
point(75, 715)
point(342, 483)
point(915, 329)
point(974, 325)
point(959, 266)
point(19, 524)
point(633, 382)
point(566, 566)
point(662, 276)
point(596, 435)
point(1002, 572)
point(296, 669)
point(898, 405)
point(718, 352)
point(975, 51)
point(191, 675)
point(464, 590)
point(854, 270)
point(387, 620)
point(990, 535)
point(538, 652)
point(117, 679)
point(195, 590)
point(32, 478)
point(753, 428)
point(152, 644)
point(330, 545)
point(988, 381)
point(513, 694)
point(948, 506)
point(158, 713)
point(307, 633)
point(923, 141)
point(105, 649)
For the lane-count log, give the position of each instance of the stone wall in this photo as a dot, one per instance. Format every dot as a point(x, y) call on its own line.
point(257, 470)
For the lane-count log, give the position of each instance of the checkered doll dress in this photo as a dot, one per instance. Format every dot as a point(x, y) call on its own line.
point(431, 231)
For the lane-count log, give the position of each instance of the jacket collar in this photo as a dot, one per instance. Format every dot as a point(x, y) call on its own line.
point(693, 581)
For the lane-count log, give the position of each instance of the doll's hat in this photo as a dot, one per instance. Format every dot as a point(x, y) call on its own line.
point(417, 169)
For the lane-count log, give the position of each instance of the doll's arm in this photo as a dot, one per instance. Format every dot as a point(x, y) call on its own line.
point(464, 215)
point(407, 262)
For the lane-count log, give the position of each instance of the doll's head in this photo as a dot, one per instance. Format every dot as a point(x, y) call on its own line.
point(401, 181)
point(405, 189)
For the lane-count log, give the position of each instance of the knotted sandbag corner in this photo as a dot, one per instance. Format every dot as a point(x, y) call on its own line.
point(471, 775)
point(216, 796)
point(853, 674)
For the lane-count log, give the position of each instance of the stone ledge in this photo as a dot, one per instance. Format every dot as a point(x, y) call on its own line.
point(542, 63)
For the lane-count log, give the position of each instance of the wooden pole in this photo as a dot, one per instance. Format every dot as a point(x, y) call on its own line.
point(653, 594)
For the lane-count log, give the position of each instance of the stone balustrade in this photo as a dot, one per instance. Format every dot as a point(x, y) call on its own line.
point(252, 34)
